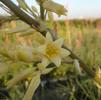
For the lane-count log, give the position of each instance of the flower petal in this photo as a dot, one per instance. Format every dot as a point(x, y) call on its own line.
point(47, 70)
point(45, 61)
point(59, 42)
point(64, 52)
point(49, 37)
point(41, 49)
point(56, 61)
point(52, 6)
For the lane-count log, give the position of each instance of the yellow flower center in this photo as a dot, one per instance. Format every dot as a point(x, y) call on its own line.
point(52, 50)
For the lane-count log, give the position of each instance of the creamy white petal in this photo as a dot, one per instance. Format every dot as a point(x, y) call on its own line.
point(64, 52)
point(41, 49)
point(56, 61)
point(59, 42)
point(45, 61)
point(49, 37)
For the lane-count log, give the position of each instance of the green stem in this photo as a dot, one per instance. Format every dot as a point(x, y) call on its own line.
point(21, 14)
point(42, 12)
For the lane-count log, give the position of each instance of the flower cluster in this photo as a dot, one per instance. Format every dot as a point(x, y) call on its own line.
point(42, 54)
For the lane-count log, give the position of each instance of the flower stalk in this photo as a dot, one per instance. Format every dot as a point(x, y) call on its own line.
point(36, 25)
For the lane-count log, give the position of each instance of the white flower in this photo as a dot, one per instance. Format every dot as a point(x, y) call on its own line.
point(52, 6)
point(52, 51)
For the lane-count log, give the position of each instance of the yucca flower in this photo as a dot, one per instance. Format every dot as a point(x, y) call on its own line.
point(52, 51)
point(52, 6)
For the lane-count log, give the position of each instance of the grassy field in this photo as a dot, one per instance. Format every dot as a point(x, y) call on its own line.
point(84, 38)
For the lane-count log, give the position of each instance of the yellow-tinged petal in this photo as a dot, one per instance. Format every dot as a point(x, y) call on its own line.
point(56, 61)
point(45, 61)
point(64, 52)
point(52, 6)
point(32, 87)
point(49, 37)
point(47, 70)
point(59, 42)
point(41, 49)
point(52, 50)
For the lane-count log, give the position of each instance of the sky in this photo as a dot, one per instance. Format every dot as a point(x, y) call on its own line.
point(77, 8)
point(84, 8)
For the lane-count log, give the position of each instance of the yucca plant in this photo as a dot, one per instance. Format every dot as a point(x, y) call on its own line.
point(34, 63)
